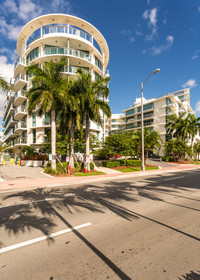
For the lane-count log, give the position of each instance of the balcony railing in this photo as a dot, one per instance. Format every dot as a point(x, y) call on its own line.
point(20, 77)
point(20, 60)
point(21, 109)
point(73, 52)
point(20, 140)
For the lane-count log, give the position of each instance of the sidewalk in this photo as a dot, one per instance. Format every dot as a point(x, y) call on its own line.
point(26, 184)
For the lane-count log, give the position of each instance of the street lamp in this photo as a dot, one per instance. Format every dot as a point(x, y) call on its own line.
point(142, 124)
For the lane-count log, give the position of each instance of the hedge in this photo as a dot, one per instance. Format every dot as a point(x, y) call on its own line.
point(122, 162)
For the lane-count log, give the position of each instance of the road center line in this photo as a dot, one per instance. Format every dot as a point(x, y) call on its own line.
point(44, 237)
point(175, 178)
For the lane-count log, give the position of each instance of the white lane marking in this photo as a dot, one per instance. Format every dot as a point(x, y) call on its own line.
point(35, 240)
point(46, 174)
point(175, 178)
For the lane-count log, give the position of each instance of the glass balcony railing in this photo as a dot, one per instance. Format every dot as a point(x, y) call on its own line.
point(21, 124)
point(68, 30)
point(20, 140)
point(73, 52)
point(73, 69)
point(20, 77)
point(20, 60)
point(21, 109)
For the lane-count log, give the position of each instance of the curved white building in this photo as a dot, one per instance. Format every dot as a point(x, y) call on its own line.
point(40, 40)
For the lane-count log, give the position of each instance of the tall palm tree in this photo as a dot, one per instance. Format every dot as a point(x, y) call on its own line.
point(45, 93)
point(69, 116)
point(178, 126)
point(194, 126)
point(92, 107)
point(3, 84)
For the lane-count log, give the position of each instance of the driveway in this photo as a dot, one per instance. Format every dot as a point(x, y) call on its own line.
point(13, 172)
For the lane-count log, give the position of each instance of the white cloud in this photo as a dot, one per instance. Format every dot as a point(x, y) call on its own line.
point(11, 5)
point(28, 9)
point(6, 72)
point(196, 55)
point(190, 83)
point(199, 9)
point(11, 31)
point(159, 50)
point(151, 17)
point(197, 108)
point(129, 34)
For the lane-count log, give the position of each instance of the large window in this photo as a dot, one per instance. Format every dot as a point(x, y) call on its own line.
point(130, 112)
point(98, 63)
point(130, 125)
point(33, 54)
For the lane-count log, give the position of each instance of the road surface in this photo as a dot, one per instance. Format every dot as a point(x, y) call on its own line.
point(133, 228)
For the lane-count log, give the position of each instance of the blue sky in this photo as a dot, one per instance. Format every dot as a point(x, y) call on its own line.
point(141, 35)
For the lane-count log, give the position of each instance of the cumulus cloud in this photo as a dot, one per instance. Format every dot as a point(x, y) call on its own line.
point(164, 47)
point(190, 83)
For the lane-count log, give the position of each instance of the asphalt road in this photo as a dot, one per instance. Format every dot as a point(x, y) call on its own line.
point(145, 228)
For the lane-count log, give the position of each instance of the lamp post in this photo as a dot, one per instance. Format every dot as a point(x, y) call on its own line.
point(142, 117)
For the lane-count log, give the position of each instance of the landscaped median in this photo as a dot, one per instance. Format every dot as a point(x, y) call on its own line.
point(127, 165)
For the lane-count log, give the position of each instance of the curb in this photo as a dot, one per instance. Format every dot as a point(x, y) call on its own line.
point(99, 179)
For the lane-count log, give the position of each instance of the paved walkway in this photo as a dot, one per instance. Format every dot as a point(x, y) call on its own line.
point(24, 184)
point(107, 170)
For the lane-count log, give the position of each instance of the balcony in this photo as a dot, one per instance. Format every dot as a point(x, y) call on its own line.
point(19, 141)
point(73, 69)
point(10, 124)
point(10, 112)
point(20, 126)
point(20, 64)
point(20, 82)
point(46, 122)
point(11, 134)
point(20, 97)
point(66, 51)
point(20, 112)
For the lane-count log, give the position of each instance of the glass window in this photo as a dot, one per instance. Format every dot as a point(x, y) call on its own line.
point(34, 119)
point(98, 63)
point(34, 135)
point(33, 54)
point(130, 112)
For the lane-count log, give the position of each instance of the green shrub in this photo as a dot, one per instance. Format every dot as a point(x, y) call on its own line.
point(91, 166)
point(166, 159)
point(110, 164)
point(133, 162)
point(123, 162)
point(49, 170)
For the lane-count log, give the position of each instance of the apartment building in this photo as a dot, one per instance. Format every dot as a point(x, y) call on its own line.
point(46, 38)
point(155, 112)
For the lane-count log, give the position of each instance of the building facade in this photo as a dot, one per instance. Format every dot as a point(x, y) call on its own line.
point(46, 38)
point(155, 112)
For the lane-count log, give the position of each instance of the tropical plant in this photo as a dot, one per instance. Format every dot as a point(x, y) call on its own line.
point(45, 95)
point(3, 84)
point(92, 104)
point(193, 127)
point(152, 141)
point(177, 149)
point(196, 149)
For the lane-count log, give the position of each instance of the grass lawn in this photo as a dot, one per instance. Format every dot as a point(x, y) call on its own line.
point(132, 169)
point(197, 162)
point(89, 174)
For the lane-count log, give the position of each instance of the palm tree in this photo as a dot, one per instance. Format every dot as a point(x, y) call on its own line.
point(152, 141)
point(92, 107)
point(194, 126)
point(69, 116)
point(3, 84)
point(45, 93)
point(178, 126)
point(197, 149)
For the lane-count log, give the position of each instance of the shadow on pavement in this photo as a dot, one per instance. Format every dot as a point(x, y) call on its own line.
point(39, 207)
point(191, 276)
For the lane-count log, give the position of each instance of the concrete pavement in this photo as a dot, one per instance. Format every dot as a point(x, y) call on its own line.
point(49, 181)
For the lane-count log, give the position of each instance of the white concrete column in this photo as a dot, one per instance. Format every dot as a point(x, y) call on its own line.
point(41, 32)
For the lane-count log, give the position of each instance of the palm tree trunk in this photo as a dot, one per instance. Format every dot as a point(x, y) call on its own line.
point(87, 145)
point(53, 138)
point(71, 161)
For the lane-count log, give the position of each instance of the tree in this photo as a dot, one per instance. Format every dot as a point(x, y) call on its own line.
point(193, 127)
point(178, 126)
point(177, 149)
point(70, 113)
point(45, 94)
point(92, 94)
point(196, 149)
point(3, 84)
point(152, 141)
